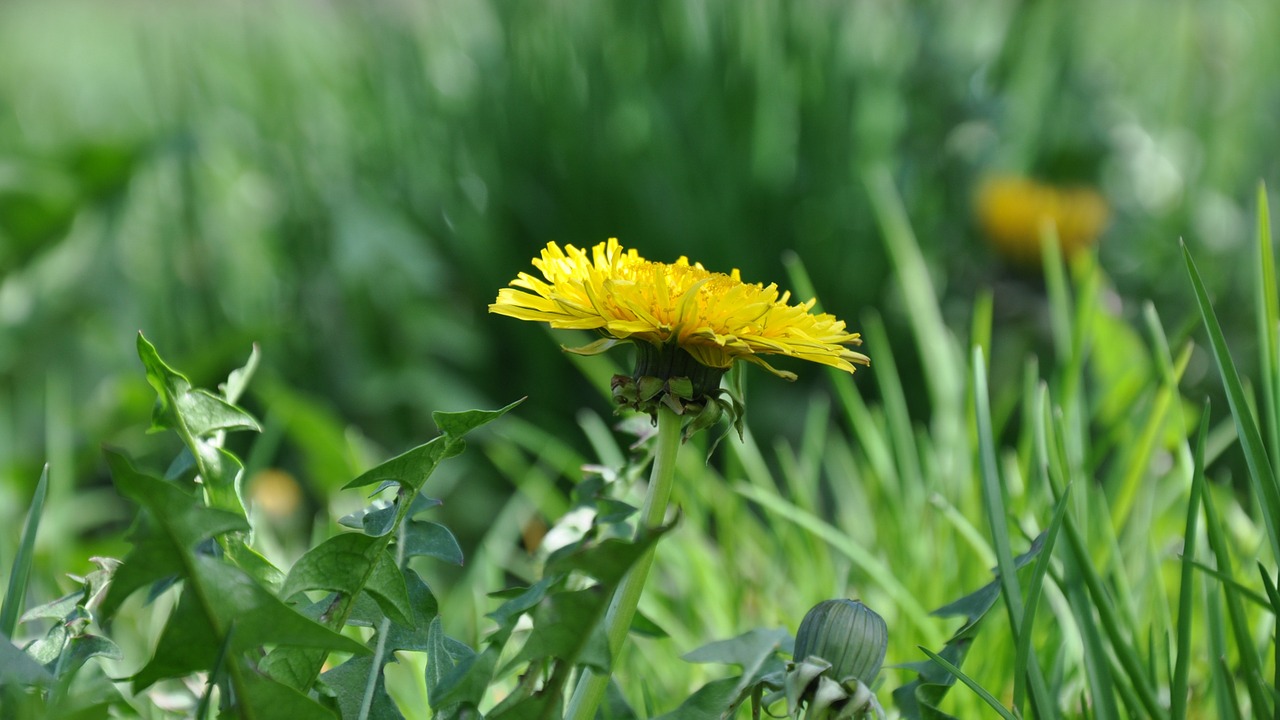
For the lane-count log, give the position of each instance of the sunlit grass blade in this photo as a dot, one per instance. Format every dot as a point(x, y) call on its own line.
point(863, 558)
point(1055, 280)
point(1224, 696)
point(1268, 326)
point(1140, 452)
point(1186, 594)
point(1273, 594)
point(1246, 650)
point(934, 341)
point(20, 572)
point(1099, 600)
point(993, 502)
point(873, 438)
point(894, 401)
point(1261, 476)
point(1227, 577)
point(982, 692)
point(1163, 356)
point(1042, 701)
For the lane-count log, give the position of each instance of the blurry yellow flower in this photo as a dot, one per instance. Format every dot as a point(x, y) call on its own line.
point(275, 492)
point(1014, 213)
point(716, 318)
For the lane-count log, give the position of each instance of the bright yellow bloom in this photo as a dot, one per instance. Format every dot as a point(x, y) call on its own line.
point(1013, 212)
point(716, 318)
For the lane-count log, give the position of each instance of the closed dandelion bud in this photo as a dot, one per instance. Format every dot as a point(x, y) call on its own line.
point(847, 634)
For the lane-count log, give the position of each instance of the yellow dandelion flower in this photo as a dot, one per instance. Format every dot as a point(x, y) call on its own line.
point(1013, 212)
point(716, 318)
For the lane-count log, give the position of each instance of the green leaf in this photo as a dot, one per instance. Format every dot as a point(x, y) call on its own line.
point(198, 413)
point(20, 572)
point(361, 690)
point(412, 467)
point(239, 378)
point(341, 564)
point(292, 666)
point(467, 683)
point(421, 503)
point(350, 563)
point(444, 654)
point(510, 611)
point(607, 561)
point(744, 650)
point(560, 630)
point(380, 521)
point(165, 539)
point(83, 647)
point(19, 668)
point(711, 702)
point(644, 626)
point(457, 424)
point(387, 587)
point(47, 649)
point(538, 706)
point(54, 609)
point(433, 540)
point(216, 596)
point(756, 652)
point(267, 698)
point(415, 638)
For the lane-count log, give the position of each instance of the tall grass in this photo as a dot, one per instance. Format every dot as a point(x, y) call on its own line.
point(1110, 621)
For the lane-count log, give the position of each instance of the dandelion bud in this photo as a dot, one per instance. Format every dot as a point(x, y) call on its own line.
point(847, 634)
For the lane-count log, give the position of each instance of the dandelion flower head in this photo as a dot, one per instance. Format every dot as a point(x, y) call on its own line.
point(715, 317)
point(1013, 212)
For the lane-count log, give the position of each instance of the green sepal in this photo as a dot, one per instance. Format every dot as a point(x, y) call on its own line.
point(648, 387)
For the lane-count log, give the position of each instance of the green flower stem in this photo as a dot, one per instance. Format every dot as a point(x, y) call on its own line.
point(591, 687)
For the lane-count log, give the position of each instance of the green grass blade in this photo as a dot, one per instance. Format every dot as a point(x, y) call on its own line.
point(993, 501)
point(1140, 457)
point(1224, 688)
point(1055, 281)
point(1112, 626)
point(1182, 668)
point(1260, 472)
point(1027, 668)
point(987, 697)
point(1023, 665)
point(1273, 594)
point(894, 401)
point(1250, 661)
point(934, 341)
point(865, 559)
point(1268, 326)
point(1227, 578)
point(21, 570)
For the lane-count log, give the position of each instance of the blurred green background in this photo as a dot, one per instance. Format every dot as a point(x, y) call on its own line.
point(348, 185)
